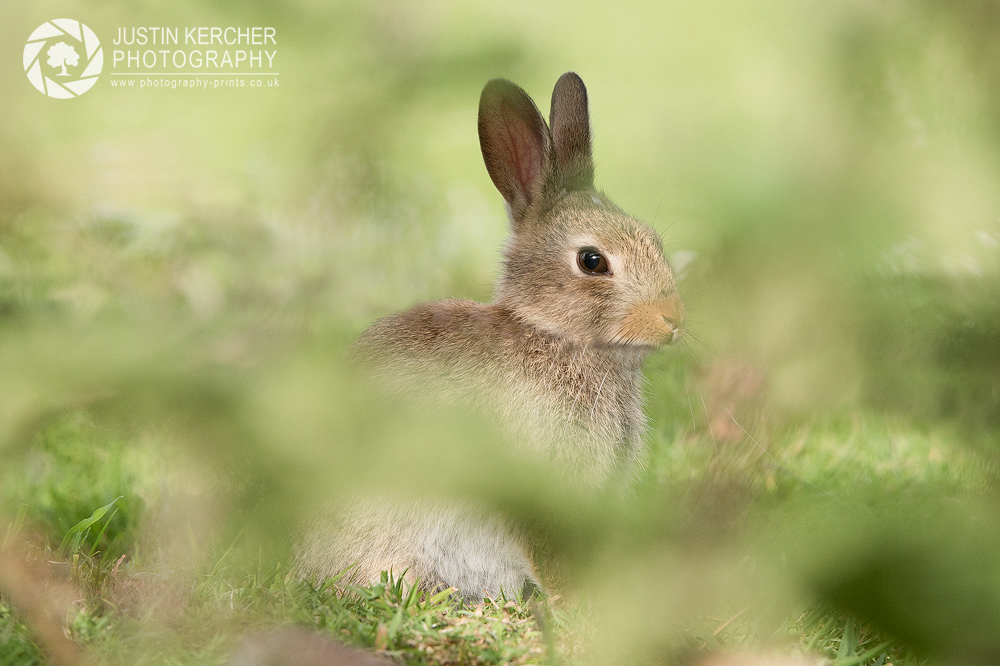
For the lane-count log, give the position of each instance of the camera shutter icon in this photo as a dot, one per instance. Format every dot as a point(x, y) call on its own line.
point(63, 58)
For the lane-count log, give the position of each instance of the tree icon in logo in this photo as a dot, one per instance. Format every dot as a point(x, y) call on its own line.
point(63, 54)
point(67, 43)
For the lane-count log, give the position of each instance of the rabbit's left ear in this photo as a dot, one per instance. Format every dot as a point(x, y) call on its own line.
point(570, 122)
point(515, 144)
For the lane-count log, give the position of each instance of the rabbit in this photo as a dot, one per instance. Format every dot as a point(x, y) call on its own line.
point(584, 295)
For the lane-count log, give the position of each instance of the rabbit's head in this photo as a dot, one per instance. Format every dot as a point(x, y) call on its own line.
point(575, 265)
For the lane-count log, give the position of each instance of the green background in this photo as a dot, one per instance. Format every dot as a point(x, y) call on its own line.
point(180, 271)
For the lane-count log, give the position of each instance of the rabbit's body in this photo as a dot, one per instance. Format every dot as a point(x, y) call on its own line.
point(441, 544)
point(578, 405)
point(556, 359)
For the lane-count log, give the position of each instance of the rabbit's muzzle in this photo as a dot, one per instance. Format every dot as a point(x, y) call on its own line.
point(656, 322)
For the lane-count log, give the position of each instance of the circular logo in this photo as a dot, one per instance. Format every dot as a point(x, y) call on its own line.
point(63, 58)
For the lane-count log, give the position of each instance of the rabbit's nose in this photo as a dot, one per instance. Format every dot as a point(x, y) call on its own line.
point(676, 329)
point(655, 322)
point(673, 315)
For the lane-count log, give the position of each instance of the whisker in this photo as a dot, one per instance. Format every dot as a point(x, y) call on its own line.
point(653, 223)
point(766, 452)
point(707, 417)
point(778, 466)
point(687, 350)
point(697, 338)
point(694, 426)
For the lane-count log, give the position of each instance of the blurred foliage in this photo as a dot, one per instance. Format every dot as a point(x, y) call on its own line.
point(68, 472)
point(180, 272)
point(932, 348)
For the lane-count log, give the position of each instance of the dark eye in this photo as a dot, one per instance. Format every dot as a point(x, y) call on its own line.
point(591, 261)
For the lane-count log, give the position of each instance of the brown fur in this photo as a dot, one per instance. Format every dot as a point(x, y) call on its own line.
point(556, 359)
point(578, 404)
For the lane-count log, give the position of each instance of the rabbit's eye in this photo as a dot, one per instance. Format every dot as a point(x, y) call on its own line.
point(591, 261)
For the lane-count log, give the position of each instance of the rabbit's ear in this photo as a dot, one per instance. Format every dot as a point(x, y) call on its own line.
point(570, 123)
point(515, 144)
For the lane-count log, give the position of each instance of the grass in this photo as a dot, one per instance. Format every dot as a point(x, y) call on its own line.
point(133, 606)
point(89, 498)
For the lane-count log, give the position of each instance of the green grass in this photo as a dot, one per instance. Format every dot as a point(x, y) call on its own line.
point(92, 495)
point(144, 608)
point(15, 638)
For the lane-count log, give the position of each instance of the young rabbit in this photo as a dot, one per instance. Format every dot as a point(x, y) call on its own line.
point(585, 294)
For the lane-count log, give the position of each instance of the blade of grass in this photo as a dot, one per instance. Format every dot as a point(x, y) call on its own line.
point(394, 625)
point(104, 529)
point(15, 527)
point(77, 531)
point(412, 593)
point(443, 594)
point(865, 656)
point(848, 642)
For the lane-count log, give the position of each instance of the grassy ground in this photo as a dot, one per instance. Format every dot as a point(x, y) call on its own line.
point(132, 605)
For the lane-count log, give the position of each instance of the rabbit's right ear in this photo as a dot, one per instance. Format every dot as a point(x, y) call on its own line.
point(515, 143)
point(570, 121)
